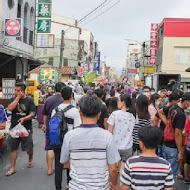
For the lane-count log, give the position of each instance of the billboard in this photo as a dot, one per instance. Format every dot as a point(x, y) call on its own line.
point(45, 40)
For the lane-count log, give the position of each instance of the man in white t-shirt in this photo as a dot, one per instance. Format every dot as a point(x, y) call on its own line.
point(73, 120)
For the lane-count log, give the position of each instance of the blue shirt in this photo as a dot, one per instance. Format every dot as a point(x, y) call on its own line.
point(3, 116)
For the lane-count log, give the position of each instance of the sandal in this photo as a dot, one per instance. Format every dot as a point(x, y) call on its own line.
point(9, 173)
point(30, 164)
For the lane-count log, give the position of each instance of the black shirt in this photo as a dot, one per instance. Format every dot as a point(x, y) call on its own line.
point(179, 122)
point(104, 114)
point(23, 109)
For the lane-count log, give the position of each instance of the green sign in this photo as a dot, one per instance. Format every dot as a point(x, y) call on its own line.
point(44, 1)
point(44, 10)
point(44, 26)
point(89, 78)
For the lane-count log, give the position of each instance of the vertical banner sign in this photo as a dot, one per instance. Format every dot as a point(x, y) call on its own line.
point(98, 54)
point(44, 26)
point(153, 44)
point(44, 10)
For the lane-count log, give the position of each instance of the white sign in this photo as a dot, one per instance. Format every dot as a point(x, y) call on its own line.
point(45, 40)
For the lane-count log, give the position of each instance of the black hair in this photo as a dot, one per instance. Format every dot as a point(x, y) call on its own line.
point(152, 89)
point(173, 96)
point(150, 136)
point(99, 92)
point(113, 105)
point(142, 107)
point(153, 98)
point(66, 92)
point(59, 86)
point(134, 95)
point(112, 92)
point(93, 85)
point(145, 87)
point(21, 85)
point(185, 96)
point(102, 86)
point(90, 105)
point(127, 99)
point(85, 88)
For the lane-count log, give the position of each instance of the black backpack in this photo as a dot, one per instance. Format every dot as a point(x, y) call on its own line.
point(58, 126)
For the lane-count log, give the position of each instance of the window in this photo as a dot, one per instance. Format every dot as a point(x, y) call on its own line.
point(181, 55)
point(31, 38)
point(65, 62)
point(50, 62)
point(10, 4)
point(19, 10)
point(25, 36)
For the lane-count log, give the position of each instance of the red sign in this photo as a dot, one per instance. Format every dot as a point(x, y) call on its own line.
point(154, 26)
point(153, 44)
point(13, 27)
point(153, 52)
point(132, 71)
point(153, 35)
point(152, 61)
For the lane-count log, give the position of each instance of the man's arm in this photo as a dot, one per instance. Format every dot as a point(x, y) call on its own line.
point(28, 117)
point(124, 187)
point(162, 116)
point(66, 165)
point(178, 140)
point(113, 172)
point(13, 104)
point(110, 128)
point(155, 121)
point(105, 123)
point(44, 121)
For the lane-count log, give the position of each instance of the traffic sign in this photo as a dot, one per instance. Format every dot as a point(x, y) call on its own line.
point(137, 65)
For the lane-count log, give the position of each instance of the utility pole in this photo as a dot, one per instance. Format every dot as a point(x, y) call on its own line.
point(62, 48)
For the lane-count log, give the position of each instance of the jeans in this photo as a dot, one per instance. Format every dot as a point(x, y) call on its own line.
point(160, 151)
point(171, 155)
point(59, 169)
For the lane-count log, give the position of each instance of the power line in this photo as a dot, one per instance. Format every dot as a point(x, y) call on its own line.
point(99, 10)
point(102, 13)
point(92, 11)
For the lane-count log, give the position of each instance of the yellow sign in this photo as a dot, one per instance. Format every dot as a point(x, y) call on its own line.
point(149, 70)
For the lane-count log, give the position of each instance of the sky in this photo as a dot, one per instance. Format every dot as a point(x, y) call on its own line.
point(129, 19)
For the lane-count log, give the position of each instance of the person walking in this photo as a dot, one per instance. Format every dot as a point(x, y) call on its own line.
point(93, 158)
point(147, 171)
point(121, 124)
point(73, 120)
point(50, 104)
point(172, 150)
point(23, 111)
point(142, 120)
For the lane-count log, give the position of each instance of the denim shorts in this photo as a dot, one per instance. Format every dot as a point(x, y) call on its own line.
point(171, 155)
point(26, 143)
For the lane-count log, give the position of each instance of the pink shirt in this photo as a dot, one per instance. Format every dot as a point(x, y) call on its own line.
point(187, 130)
point(152, 111)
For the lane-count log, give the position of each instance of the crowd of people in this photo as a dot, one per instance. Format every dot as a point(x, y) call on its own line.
point(117, 136)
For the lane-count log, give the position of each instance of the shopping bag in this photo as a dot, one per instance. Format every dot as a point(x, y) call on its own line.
point(19, 131)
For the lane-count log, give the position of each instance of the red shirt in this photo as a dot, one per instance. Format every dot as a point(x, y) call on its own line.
point(187, 130)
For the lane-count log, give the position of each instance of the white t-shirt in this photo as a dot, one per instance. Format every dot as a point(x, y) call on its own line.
point(72, 116)
point(123, 123)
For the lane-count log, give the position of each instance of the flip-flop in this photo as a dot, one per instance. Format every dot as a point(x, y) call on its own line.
point(9, 173)
point(51, 173)
point(30, 164)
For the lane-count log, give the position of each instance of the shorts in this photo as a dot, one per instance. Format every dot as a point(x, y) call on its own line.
point(47, 141)
point(26, 143)
point(125, 154)
point(187, 156)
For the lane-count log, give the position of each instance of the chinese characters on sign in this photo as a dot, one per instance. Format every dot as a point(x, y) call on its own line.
point(44, 25)
point(154, 27)
point(45, 40)
point(44, 10)
point(152, 61)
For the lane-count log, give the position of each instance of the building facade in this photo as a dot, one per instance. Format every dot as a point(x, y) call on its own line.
point(174, 49)
point(17, 51)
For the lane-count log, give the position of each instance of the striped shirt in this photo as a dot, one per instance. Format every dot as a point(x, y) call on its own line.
point(140, 123)
point(145, 173)
point(90, 150)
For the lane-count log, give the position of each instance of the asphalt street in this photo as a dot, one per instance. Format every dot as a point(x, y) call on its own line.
point(36, 178)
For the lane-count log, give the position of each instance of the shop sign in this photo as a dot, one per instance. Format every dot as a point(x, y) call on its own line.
point(13, 27)
point(43, 26)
